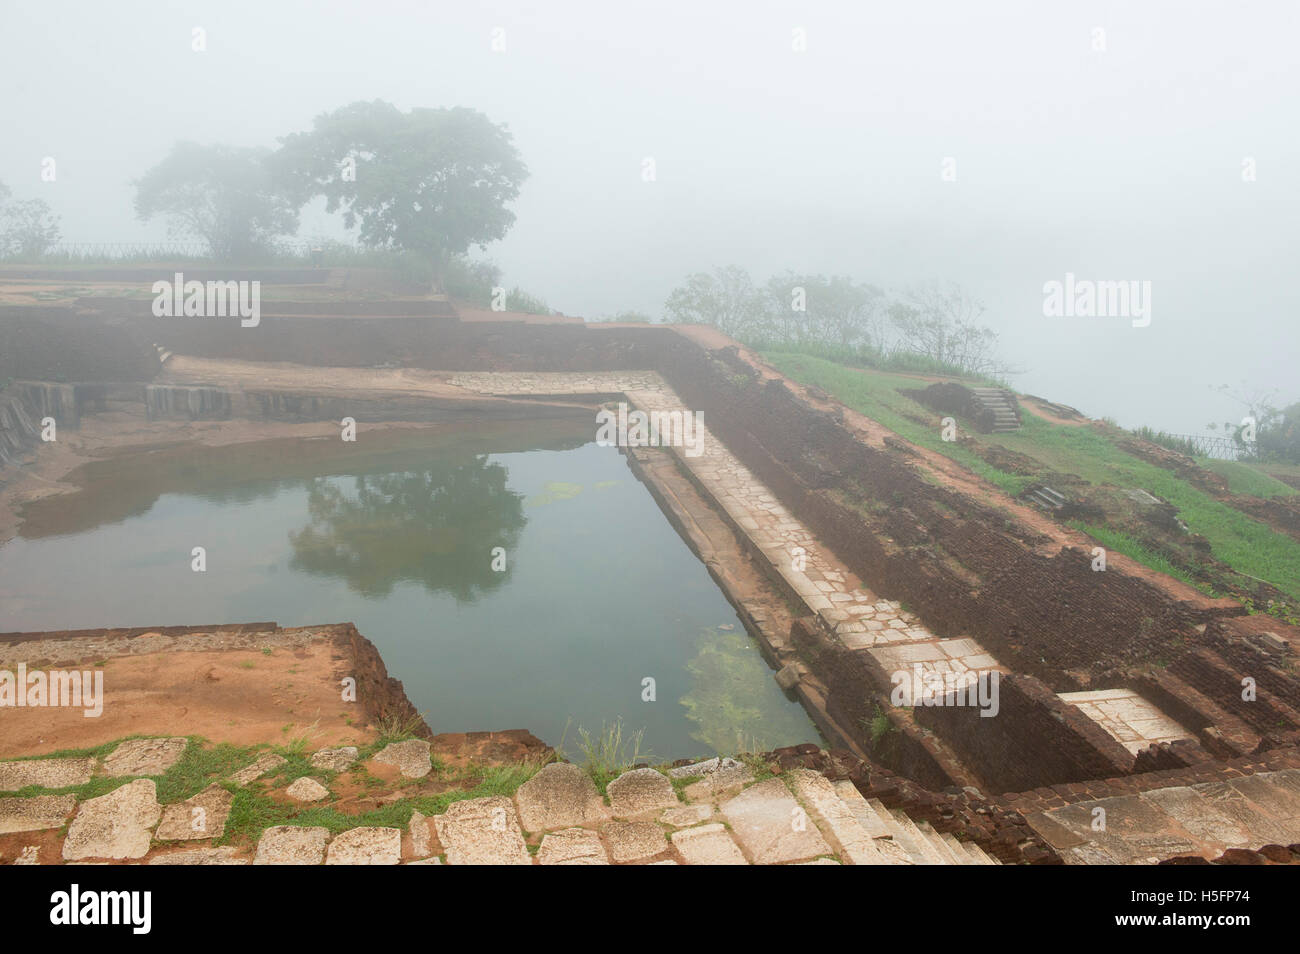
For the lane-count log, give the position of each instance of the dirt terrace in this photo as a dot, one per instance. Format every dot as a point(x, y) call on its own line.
point(244, 684)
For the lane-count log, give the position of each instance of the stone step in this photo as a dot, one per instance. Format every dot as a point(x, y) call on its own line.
point(958, 852)
point(905, 834)
point(881, 832)
point(855, 844)
point(978, 854)
point(938, 844)
point(923, 853)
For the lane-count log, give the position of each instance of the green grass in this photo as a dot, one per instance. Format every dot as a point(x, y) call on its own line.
point(1123, 543)
point(253, 811)
point(867, 357)
point(610, 752)
point(875, 394)
point(1249, 547)
point(1247, 479)
point(252, 808)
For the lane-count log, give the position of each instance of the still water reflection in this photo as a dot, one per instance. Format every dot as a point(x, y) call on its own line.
point(597, 593)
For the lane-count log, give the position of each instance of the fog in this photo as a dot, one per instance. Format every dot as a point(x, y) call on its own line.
point(1117, 164)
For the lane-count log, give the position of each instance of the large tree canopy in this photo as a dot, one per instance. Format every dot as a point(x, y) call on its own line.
point(224, 195)
point(28, 228)
point(934, 322)
point(432, 181)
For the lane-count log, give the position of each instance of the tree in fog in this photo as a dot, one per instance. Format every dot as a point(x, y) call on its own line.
point(430, 181)
point(834, 311)
point(432, 527)
point(939, 321)
point(837, 317)
point(223, 195)
point(28, 227)
point(727, 299)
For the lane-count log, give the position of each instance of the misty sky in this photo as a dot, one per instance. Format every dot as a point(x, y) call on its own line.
point(1116, 165)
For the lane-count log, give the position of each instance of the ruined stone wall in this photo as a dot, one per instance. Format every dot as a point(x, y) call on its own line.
point(58, 344)
point(431, 343)
point(963, 566)
point(1035, 738)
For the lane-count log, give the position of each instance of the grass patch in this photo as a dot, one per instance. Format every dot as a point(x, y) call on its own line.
point(876, 395)
point(1123, 543)
point(610, 752)
point(1247, 479)
point(1247, 546)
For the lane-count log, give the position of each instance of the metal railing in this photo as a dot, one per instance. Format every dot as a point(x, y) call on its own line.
point(1217, 447)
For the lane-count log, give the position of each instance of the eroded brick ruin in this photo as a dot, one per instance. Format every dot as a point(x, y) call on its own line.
point(1092, 664)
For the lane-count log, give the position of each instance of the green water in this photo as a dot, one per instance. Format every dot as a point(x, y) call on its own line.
point(598, 593)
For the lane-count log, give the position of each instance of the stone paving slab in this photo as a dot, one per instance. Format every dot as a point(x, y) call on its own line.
point(335, 760)
point(144, 756)
point(202, 816)
point(307, 789)
point(561, 795)
point(640, 792)
point(411, 757)
point(1199, 817)
point(264, 764)
point(116, 825)
point(770, 825)
point(482, 831)
point(1264, 828)
point(201, 856)
point(719, 784)
point(1127, 717)
point(1273, 798)
point(684, 816)
point(419, 831)
point(47, 773)
point(291, 845)
point(702, 768)
point(629, 841)
point(366, 846)
point(708, 845)
point(37, 813)
point(572, 846)
point(1137, 830)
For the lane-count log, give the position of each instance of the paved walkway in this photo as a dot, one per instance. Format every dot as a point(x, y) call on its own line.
point(1204, 819)
point(1130, 719)
point(713, 812)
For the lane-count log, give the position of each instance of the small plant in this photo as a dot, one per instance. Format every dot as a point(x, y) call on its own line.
point(609, 754)
point(395, 727)
point(880, 726)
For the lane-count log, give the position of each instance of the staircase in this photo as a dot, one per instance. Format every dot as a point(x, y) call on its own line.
point(999, 405)
point(868, 833)
point(1046, 497)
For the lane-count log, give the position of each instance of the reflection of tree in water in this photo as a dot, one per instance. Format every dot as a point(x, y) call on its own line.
point(436, 527)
